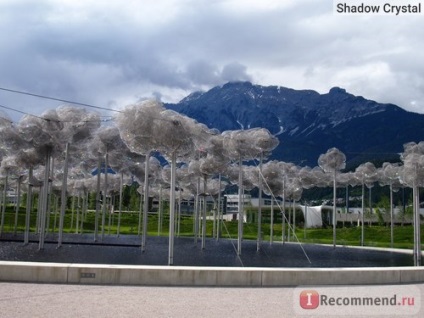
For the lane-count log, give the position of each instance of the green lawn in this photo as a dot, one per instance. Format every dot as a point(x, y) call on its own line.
point(374, 235)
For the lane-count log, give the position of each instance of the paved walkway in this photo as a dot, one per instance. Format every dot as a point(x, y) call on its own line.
point(31, 300)
point(44, 300)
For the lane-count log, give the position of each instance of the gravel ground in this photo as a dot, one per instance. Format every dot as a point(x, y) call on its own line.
point(44, 300)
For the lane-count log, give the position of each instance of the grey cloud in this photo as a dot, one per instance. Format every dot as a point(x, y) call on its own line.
point(202, 73)
point(157, 96)
point(109, 56)
point(155, 55)
point(235, 72)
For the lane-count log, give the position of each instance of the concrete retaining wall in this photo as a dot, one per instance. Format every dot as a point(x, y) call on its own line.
point(204, 276)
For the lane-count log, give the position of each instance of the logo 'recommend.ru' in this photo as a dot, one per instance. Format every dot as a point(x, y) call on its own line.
point(309, 299)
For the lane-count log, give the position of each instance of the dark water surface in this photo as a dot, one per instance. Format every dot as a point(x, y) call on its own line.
point(125, 250)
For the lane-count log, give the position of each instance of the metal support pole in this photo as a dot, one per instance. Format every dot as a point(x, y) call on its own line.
point(179, 211)
point(196, 212)
point(283, 230)
point(391, 217)
point(96, 217)
point(146, 201)
point(121, 185)
point(305, 222)
point(362, 214)
point(294, 219)
point(240, 207)
point(3, 208)
point(28, 208)
point(259, 236)
point(219, 211)
point(43, 214)
point(334, 208)
point(271, 227)
point(63, 196)
point(105, 195)
point(18, 203)
point(417, 224)
point(172, 209)
point(205, 182)
point(160, 211)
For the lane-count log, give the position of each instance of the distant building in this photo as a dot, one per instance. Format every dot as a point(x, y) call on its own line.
point(232, 202)
point(11, 196)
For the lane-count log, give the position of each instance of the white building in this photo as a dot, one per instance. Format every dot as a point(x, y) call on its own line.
point(11, 196)
point(232, 205)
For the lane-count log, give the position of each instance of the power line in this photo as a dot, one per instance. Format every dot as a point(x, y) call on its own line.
point(105, 118)
point(65, 101)
point(57, 99)
point(19, 111)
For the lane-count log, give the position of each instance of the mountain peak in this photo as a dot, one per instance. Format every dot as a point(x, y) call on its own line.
point(337, 90)
point(245, 84)
point(191, 97)
point(306, 122)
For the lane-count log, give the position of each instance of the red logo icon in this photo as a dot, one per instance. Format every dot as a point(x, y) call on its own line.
point(309, 299)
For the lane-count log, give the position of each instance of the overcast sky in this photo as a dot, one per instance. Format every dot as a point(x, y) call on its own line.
point(111, 53)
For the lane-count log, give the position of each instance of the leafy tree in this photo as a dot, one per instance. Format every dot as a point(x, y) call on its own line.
point(383, 209)
point(134, 198)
